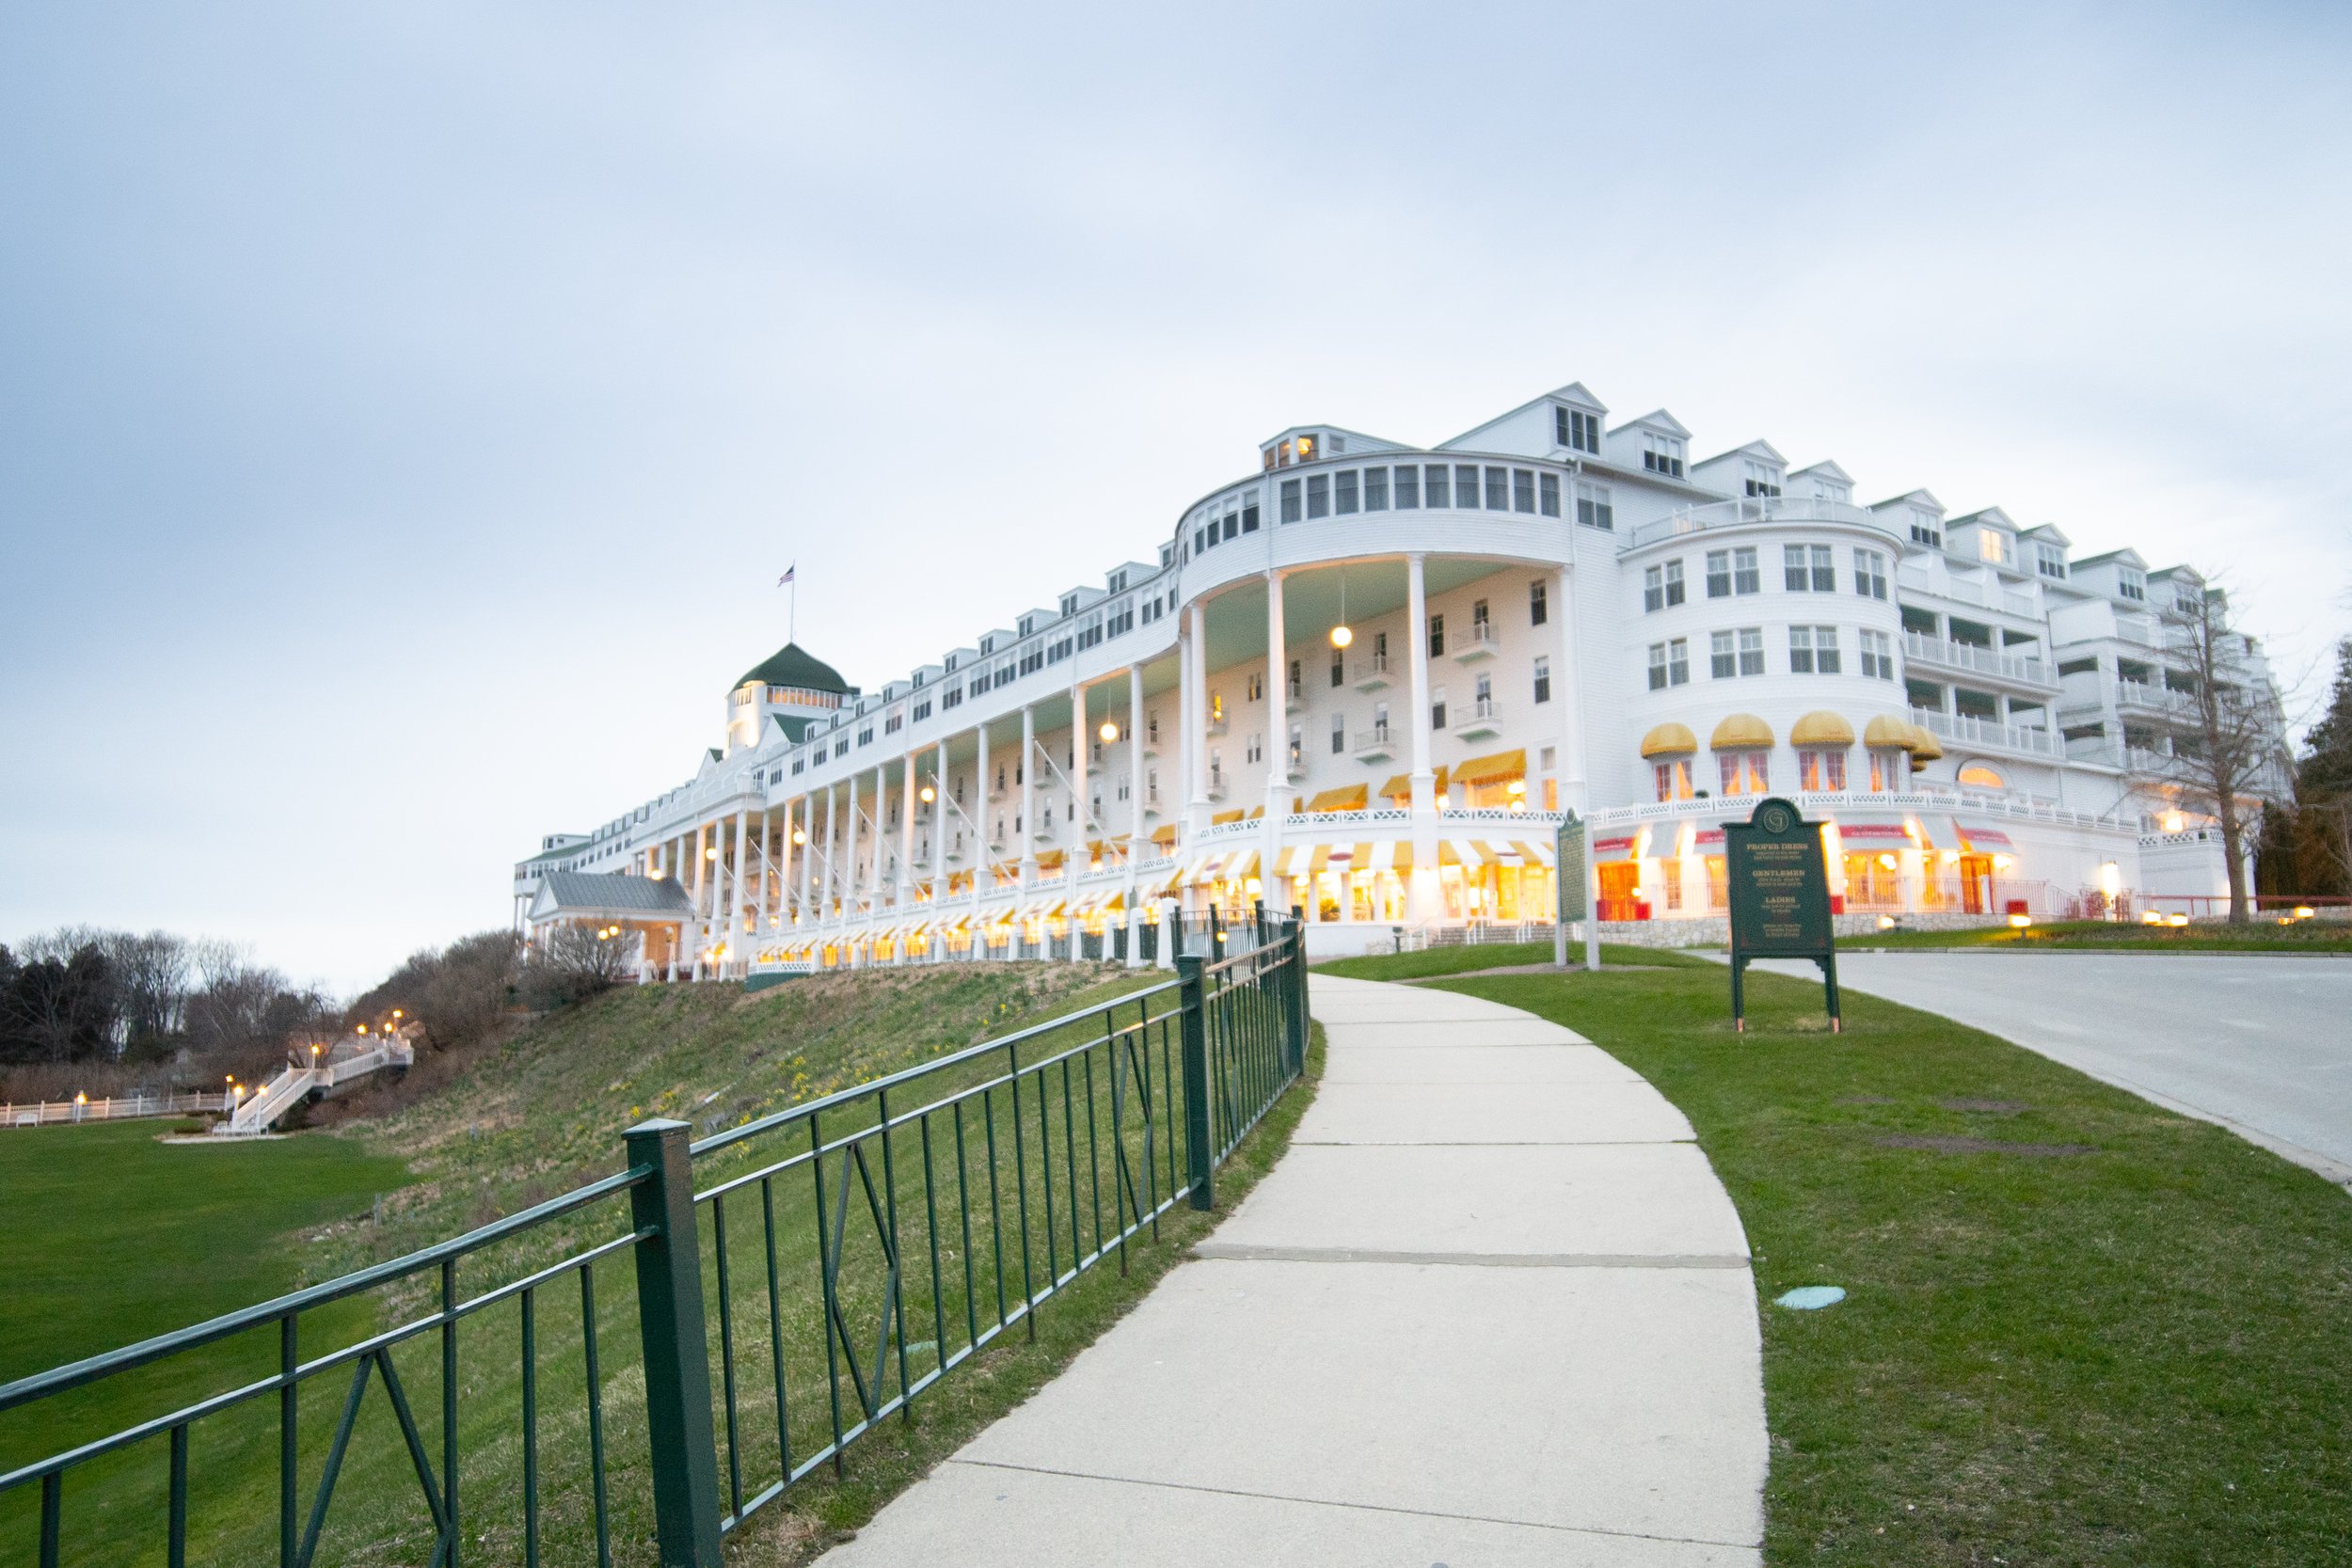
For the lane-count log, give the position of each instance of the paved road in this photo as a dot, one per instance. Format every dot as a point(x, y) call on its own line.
point(1492, 1308)
point(2263, 1045)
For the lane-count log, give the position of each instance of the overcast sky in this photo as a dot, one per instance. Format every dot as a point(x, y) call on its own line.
point(405, 410)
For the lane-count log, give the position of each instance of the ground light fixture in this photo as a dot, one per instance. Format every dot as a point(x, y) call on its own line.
point(2151, 917)
point(2177, 921)
point(2020, 922)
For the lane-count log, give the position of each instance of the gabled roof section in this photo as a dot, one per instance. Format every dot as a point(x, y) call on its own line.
point(793, 665)
point(1763, 451)
point(1924, 499)
point(588, 896)
point(1824, 469)
point(2126, 557)
point(1657, 419)
point(2045, 533)
point(1575, 394)
point(791, 726)
point(1991, 516)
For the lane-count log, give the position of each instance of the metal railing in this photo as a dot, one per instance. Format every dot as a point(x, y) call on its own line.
point(853, 1251)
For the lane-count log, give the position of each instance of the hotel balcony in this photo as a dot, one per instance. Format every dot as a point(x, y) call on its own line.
point(1990, 734)
point(1479, 720)
point(1371, 674)
point(1217, 724)
point(1479, 644)
point(1375, 744)
point(1292, 699)
point(1217, 784)
point(1943, 654)
point(2146, 697)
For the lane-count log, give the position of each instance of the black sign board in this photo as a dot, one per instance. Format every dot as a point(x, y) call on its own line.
point(1779, 896)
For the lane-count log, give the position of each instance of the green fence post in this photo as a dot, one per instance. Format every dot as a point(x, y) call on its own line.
point(678, 1348)
point(1297, 966)
point(1195, 1032)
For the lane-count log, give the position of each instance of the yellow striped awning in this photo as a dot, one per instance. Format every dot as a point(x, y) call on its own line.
point(1345, 797)
point(1166, 834)
point(1492, 769)
point(1242, 866)
point(1256, 812)
point(1222, 817)
point(1051, 860)
point(1401, 787)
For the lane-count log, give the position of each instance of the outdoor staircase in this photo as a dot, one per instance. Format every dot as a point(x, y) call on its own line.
point(297, 1082)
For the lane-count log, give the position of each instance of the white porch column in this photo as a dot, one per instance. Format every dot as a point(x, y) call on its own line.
point(1137, 838)
point(940, 809)
point(1567, 690)
point(1278, 762)
point(833, 862)
point(734, 917)
point(1423, 901)
point(1025, 825)
point(905, 894)
point(848, 857)
point(1196, 725)
point(983, 865)
point(806, 853)
point(1075, 858)
point(702, 877)
point(765, 859)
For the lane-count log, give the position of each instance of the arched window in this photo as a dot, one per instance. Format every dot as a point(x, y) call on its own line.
point(1982, 776)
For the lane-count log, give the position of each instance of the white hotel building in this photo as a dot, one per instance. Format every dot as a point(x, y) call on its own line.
point(1364, 680)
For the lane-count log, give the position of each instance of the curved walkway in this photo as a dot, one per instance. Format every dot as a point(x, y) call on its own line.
point(1492, 1308)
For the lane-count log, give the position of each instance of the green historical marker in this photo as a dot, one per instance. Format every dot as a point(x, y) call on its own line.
point(1568, 877)
point(1779, 888)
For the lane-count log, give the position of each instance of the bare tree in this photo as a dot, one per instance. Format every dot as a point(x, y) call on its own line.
point(2228, 755)
point(574, 962)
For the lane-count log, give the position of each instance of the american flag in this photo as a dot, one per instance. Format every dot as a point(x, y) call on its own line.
point(787, 574)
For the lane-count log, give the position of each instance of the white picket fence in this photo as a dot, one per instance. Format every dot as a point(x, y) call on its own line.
point(45, 1112)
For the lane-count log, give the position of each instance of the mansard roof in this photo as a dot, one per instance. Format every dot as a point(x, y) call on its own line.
point(793, 665)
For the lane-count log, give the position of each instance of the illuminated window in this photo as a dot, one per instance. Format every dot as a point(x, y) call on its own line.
point(1982, 777)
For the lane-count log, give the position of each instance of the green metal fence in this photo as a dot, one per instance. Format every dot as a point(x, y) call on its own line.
point(796, 1280)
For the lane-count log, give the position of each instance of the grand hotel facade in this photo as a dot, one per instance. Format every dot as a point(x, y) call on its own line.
point(1365, 681)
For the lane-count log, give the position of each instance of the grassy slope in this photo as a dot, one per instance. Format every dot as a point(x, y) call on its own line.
point(532, 1119)
point(2136, 1355)
point(2263, 936)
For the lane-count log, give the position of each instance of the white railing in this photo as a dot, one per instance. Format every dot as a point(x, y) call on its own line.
point(1922, 797)
point(1373, 671)
point(1335, 820)
point(1478, 641)
point(1510, 816)
point(45, 1112)
point(1989, 732)
point(1963, 656)
point(1374, 742)
point(1759, 509)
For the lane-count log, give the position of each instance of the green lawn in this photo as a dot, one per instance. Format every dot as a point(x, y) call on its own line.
point(2262, 936)
point(108, 1237)
point(536, 1116)
point(1432, 961)
point(2114, 1336)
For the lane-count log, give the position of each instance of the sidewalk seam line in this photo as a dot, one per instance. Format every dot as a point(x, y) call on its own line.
point(1366, 1508)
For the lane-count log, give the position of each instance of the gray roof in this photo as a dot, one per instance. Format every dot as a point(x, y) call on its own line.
point(583, 892)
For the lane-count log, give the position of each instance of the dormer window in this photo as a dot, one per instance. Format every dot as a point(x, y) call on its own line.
point(2187, 600)
point(1927, 529)
point(1576, 429)
point(1763, 480)
point(1028, 625)
point(1119, 582)
point(2050, 560)
point(2131, 584)
point(1992, 547)
point(1661, 455)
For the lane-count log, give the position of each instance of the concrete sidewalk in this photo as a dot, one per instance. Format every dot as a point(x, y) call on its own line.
point(1492, 1308)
